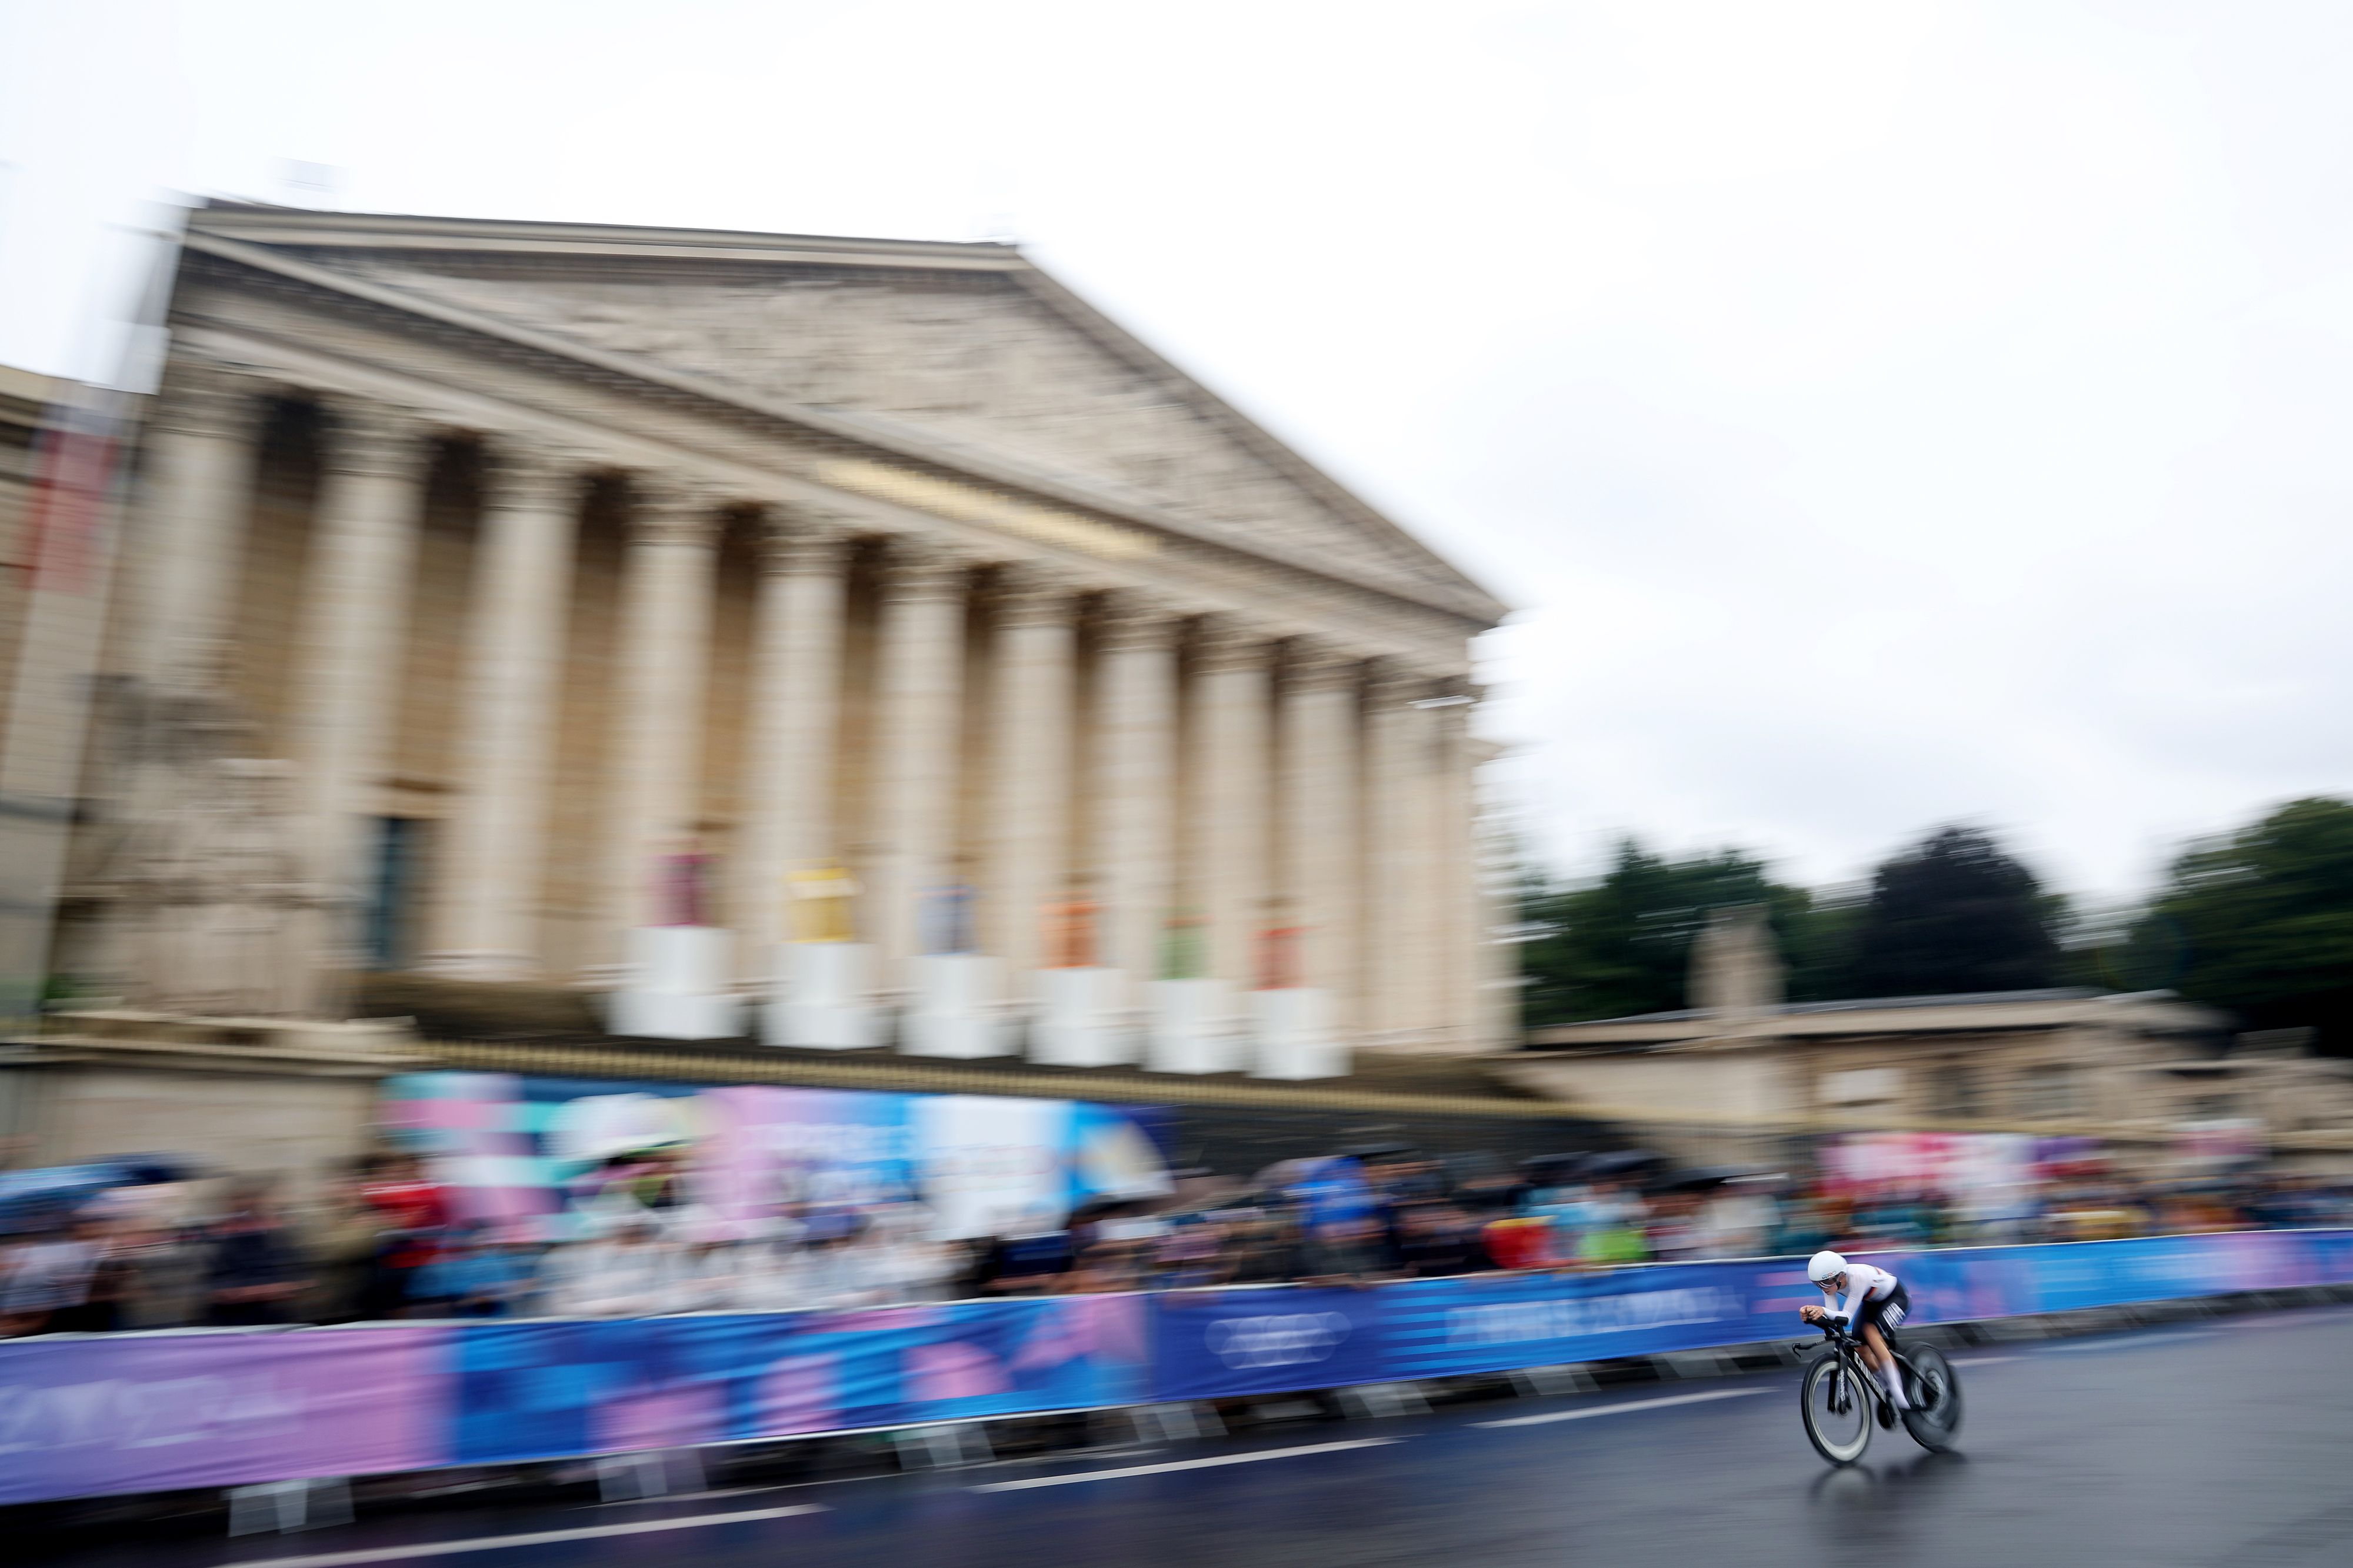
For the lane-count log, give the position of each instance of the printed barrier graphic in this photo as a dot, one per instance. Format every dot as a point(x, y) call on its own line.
point(138, 1413)
point(128, 1413)
point(554, 1389)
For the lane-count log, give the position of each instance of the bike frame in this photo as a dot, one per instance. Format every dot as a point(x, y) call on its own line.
point(1848, 1348)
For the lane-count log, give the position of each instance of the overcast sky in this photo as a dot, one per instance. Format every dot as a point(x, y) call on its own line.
point(1881, 415)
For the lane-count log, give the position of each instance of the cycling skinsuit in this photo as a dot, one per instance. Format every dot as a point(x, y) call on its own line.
point(1873, 1295)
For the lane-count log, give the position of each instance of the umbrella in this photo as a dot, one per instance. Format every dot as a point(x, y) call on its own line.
point(1702, 1178)
point(26, 1196)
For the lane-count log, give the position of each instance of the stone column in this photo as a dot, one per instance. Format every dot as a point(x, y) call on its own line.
point(1232, 804)
point(664, 654)
point(515, 665)
point(1134, 787)
point(202, 452)
point(1459, 931)
point(919, 694)
point(1497, 1010)
point(796, 717)
point(1320, 875)
point(1395, 951)
point(354, 608)
point(1030, 756)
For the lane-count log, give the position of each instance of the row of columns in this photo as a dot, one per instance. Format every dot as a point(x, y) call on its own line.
point(1373, 925)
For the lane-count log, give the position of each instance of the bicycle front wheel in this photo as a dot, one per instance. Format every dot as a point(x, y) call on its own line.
point(1935, 1418)
point(1838, 1409)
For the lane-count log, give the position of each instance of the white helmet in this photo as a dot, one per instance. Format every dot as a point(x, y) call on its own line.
point(1824, 1267)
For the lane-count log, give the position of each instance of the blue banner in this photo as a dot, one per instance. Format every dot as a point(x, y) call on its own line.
point(1447, 1328)
point(1216, 1345)
point(550, 1388)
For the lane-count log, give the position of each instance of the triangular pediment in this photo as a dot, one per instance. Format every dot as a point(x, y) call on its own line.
point(968, 347)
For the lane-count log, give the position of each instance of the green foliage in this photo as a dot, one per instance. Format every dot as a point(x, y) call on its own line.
point(1954, 914)
point(1622, 945)
point(2261, 923)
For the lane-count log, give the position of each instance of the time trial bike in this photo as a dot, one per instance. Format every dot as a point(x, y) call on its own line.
point(1842, 1397)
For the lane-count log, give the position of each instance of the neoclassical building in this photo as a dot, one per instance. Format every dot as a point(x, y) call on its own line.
point(545, 554)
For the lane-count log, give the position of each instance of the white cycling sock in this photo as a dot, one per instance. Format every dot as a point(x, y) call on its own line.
point(1891, 1376)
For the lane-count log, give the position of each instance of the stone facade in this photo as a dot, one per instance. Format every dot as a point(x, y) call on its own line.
point(544, 553)
point(1762, 1081)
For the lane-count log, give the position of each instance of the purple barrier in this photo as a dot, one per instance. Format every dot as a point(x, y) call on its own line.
point(139, 1413)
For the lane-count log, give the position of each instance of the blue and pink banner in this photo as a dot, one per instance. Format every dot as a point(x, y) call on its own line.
point(129, 1413)
point(548, 1156)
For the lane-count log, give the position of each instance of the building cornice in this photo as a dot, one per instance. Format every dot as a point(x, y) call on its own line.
point(248, 238)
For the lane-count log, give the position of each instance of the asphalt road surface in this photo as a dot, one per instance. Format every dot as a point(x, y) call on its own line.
point(2224, 1442)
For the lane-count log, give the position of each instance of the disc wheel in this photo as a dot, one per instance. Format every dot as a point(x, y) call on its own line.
point(1935, 1418)
point(1838, 1410)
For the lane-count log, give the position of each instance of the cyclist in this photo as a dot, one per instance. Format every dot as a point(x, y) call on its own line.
point(1876, 1300)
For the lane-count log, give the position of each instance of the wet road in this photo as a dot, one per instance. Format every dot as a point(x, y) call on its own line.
point(2225, 1441)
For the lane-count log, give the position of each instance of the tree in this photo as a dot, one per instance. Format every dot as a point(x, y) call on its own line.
point(1621, 945)
point(1954, 914)
point(2261, 923)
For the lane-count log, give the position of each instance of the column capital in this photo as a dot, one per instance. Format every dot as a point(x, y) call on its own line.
point(521, 472)
point(1310, 665)
point(1133, 620)
point(206, 397)
point(675, 510)
point(1029, 594)
point(1226, 643)
point(804, 541)
point(376, 439)
point(917, 568)
point(1396, 685)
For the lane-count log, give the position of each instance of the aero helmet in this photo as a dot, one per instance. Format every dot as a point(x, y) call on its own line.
point(1825, 1267)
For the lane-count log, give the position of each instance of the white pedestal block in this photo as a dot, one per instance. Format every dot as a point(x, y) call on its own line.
point(1194, 1027)
point(824, 997)
point(954, 1013)
point(676, 987)
point(1080, 1022)
point(1295, 1035)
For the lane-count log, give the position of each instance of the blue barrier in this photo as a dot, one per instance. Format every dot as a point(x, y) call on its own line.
point(556, 1389)
point(82, 1416)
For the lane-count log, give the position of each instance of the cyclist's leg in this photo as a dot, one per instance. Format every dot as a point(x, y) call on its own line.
point(1882, 1362)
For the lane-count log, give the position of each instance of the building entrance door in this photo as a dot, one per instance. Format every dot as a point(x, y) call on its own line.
point(396, 894)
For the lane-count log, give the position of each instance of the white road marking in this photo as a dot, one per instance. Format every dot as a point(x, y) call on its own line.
point(714, 1494)
point(1985, 1360)
point(534, 1538)
point(2127, 1341)
point(1183, 1465)
point(1590, 1411)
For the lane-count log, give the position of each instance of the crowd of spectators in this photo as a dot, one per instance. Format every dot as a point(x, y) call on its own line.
point(386, 1242)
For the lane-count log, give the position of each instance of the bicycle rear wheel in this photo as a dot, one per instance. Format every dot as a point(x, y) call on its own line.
point(1935, 1418)
point(1838, 1409)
